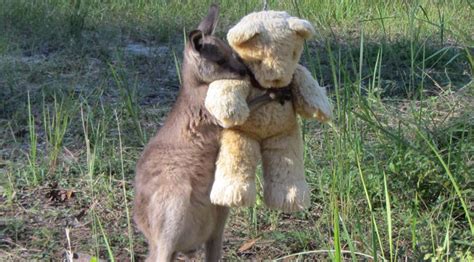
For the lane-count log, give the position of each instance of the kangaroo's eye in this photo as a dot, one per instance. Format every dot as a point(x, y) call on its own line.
point(234, 55)
point(220, 61)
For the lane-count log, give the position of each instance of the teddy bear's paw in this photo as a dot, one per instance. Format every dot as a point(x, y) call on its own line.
point(287, 198)
point(311, 100)
point(322, 117)
point(234, 118)
point(226, 101)
point(226, 192)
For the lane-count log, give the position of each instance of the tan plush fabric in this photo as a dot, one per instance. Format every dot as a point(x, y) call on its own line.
point(270, 43)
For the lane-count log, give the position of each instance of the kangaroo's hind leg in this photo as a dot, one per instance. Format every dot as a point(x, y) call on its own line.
point(161, 252)
point(166, 224)
point(214, 244)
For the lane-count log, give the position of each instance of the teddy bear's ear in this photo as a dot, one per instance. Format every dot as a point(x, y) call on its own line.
point(242, 34)
point(302, 27)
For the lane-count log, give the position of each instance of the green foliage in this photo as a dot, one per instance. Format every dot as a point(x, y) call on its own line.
point(392, 175)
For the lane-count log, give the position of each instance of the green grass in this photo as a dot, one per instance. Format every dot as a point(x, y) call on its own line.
point(392, 176)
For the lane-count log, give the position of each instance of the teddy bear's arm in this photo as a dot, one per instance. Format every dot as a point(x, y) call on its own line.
point(310, 99)
point(226, 101)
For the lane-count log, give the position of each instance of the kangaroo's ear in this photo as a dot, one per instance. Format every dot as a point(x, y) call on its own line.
point(209, 23)
point(195, 38)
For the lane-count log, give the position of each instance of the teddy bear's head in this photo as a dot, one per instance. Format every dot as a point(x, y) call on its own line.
point(270, 43)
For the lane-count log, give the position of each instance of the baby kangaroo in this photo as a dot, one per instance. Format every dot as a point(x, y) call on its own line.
point(176, 170)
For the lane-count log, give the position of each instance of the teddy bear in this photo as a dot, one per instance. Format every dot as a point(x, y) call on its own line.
point(270, 44)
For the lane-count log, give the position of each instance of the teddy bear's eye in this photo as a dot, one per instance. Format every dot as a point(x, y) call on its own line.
point(295, 54)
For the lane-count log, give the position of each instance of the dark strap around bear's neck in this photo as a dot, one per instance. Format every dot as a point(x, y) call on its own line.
point(280, 94)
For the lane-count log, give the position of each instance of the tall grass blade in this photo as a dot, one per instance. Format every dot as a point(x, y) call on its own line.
point(177, 65)
point(124, 191)
point(106, 239)
point(335, 222)
point(131, 105)
point(388, 211)
point(369, 203)
point(451, 178)
point(348, 240)
point(33, 142)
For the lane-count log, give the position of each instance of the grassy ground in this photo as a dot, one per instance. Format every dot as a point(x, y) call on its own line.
point(84, 84)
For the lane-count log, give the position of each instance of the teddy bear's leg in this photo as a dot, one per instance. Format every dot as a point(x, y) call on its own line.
point(234, 183)
point(285, 187)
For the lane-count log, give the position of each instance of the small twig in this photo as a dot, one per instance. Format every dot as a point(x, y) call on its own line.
point(22, 248)
point(69, 254)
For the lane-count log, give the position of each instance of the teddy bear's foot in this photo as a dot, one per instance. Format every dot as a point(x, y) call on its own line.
point(227, 192)
point(287, 197)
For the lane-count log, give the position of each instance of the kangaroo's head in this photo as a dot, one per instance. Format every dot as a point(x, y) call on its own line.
point(207, 57)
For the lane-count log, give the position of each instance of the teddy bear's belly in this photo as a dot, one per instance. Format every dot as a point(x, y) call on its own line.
point(270, 120)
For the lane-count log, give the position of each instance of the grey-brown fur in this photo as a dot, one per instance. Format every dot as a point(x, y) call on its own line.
point(176, 170)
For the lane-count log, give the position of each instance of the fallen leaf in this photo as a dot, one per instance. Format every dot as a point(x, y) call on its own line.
point(69, 194)
point(59, 195)
point(248, 244)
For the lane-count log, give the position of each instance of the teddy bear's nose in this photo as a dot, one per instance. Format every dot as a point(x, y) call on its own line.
point(276, 82)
